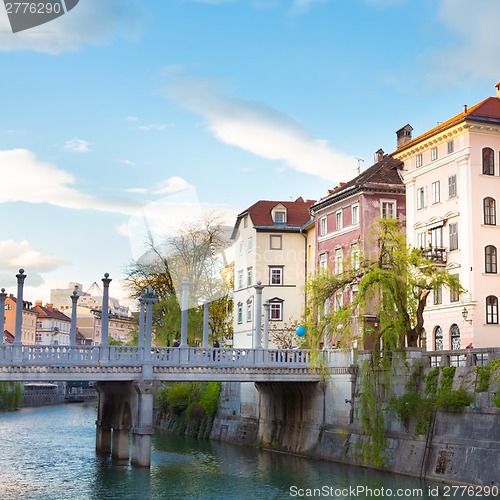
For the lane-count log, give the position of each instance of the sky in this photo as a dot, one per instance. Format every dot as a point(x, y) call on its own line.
point(124, 118)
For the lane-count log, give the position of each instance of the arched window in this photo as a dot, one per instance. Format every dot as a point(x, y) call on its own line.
point(423, 339)
point(489, 211)
point(438, 338)
point(492, 310)
point(488, 161)
point(455, 336)
point(490, 259)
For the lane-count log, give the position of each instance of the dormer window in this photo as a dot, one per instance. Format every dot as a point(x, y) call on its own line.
point(279, 214)
point(280, 217)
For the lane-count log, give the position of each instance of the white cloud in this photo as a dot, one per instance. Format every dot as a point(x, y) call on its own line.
point(16, 255)
point(260, 129)
point(160, 127)
point(91, 21)
point(475, 51)
point(129, 163)
point(172, 185)
point(50, 184)
point(77, 145)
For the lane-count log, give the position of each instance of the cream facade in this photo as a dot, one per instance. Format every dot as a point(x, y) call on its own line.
point(452, 178)
point(273, 249)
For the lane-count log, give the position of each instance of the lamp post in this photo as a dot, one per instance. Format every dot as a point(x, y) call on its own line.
point(105, 310)
point(141, 321)
point(3, 296)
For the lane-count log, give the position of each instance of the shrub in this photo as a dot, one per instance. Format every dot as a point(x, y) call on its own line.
point(431, 382)
point(453, 401)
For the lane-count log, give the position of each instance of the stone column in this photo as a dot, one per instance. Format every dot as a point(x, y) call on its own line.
point(149, 299)
point(142, 432)
point(141, 322)
point(258, 315)
point(267, 307)
point(19, 308)
point(184, 312)
point(206, 305)
point(72, 333)
point(120, 443)
point(102, 428)
point(103, 350)
point(3, 296)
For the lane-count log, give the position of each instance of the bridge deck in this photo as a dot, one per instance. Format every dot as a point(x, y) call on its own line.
point(95, 363)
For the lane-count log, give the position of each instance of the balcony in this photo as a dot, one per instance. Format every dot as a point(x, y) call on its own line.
point(436, 254)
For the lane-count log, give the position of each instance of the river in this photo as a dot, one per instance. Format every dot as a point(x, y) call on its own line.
point(49, 453)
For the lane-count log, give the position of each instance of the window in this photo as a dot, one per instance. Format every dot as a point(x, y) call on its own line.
point(249, 310)
point(421, 239)
point(454, 236)
point(240, 280)
point(309, 252)
point(490, 259)
point(492, 310)
point(388, 209)
point(323, 261)
point(279, 217)
point(437, 237)
point(276, 275)
point(276, 309)
point(242, 248)
point(240, 313)
point(338, 220)
point(249, 276)
point(438, 338)
point(434, 154)
point(488, 161)
point(322, 226)
point(421, 201)
point(355, 256)
point(419, 160)
point(451, 147)
point(355, 215)
point(250, 244)
point(454, 295)
point(245, 221)
point(455, 337)
point(436, 192)
point(489, 210)
point(338, 302)
point(452, 186)
point(338, 260)
point(275, 242)
point(438, 294)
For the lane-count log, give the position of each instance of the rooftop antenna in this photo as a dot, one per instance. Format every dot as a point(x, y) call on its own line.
point(359, 163)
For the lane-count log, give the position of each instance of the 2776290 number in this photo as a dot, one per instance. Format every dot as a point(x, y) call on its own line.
point(474, 491)
point(33, 8)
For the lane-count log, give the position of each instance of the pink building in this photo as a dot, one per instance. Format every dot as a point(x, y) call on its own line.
point(452, 178)
point(344, 216)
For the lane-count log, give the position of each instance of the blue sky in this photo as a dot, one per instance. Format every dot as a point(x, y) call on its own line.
point(124, 116)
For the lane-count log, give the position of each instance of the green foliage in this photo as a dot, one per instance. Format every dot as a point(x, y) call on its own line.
point(393, 284)
point(496, 400)
point(190, 407)
point(10, 395)
point(453, 400)
point(412, 405)
point(483, 378)
point(372, 417)
point(447, 377)
point(431, 382)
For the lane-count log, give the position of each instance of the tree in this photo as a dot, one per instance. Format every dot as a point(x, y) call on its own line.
point(284, 337)
point(195, 253)
point(394, 282)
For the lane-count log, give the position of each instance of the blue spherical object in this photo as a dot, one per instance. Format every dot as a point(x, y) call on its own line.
point(301, 330)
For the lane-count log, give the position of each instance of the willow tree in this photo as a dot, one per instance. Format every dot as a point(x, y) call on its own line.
point(393, 282)
point(193, 253)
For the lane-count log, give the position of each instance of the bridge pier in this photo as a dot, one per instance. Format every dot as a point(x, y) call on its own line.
point(125, 408)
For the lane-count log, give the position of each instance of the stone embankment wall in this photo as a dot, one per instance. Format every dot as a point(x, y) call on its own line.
point(323, 420)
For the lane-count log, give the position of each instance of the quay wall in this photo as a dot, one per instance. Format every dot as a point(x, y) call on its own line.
point(324, 421)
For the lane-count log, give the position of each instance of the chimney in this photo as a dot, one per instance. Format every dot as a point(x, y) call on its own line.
point(497, 86)
point(379, 155)
point(404, 134)
point(38, 303)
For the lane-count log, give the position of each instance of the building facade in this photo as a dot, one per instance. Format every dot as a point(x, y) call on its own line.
point(452, 179)
point(52, 326)
point(273, 245)
point(344, 221)
point(28, 320)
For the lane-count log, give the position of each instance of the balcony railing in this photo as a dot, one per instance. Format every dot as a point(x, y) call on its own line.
point(436, 254)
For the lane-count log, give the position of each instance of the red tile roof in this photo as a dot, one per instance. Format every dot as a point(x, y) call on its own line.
point(49, 312)
point(297, 212)
point(487, 110)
